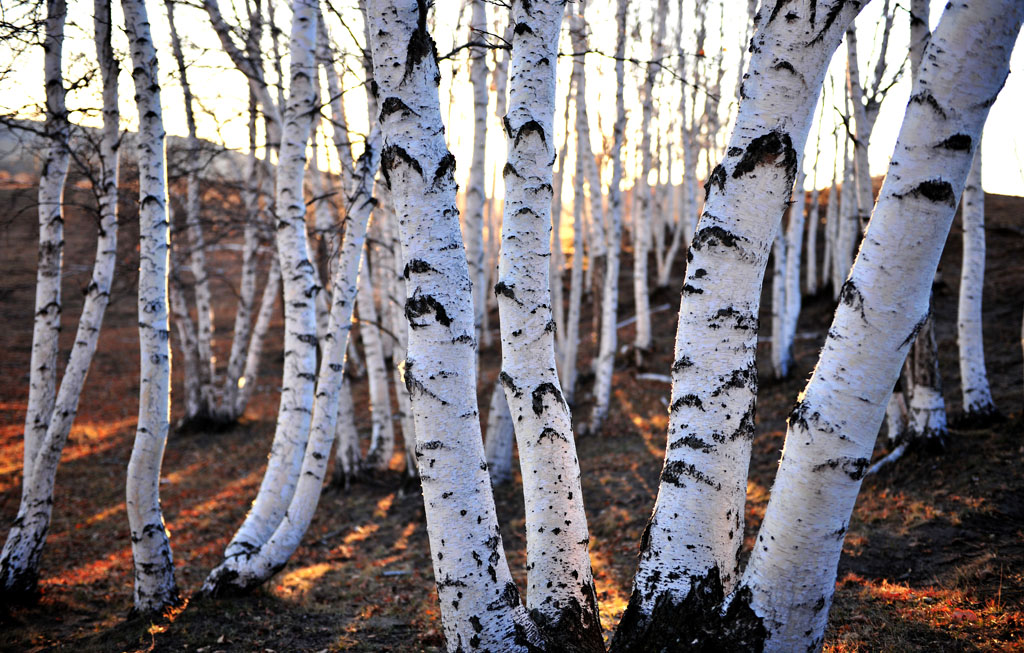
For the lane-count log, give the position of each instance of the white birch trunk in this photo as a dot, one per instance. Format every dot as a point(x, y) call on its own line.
point(19, 562)
point(242, 573)
point(557, 264)
point(480, 604)
point(791, 575)
point(688, 562)
point(605, 366)
point(646, 211)
point(780, 361)
point(197, 249)
point(501, 437)
point(475, 195)
point(382, 434)
point(560, 587)
point(253, 356)
point(42, 384)
point(811, 269)
point(977, 398)
point(300, 290)
point(927, 405)
point(861, 132)
point(155, 588)
point(794, 245)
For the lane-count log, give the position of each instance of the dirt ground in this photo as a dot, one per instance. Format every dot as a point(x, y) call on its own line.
point(933, 560)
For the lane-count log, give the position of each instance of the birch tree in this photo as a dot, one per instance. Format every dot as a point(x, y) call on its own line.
point(440, 371)
point(605, 364)
point(686, 563)
point(155, 587)
point(978, 406)
point(19, 562)
point(791, 575)
point(300, 290)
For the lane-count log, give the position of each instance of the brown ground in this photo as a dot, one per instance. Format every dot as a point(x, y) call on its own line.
point(934, 558)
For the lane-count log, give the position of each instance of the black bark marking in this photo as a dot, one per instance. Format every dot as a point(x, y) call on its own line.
point(687, 400)
point(445, 168)
point(743, 321)
point(716, 178)
point(540, 391)
point(509, 598)
point(675, 470)
point(391, 157)
point(523, 28)
point(785, 65)
point(933, 190)
point(926, 98)
point(739, 378)
point(830, 18)
point(714, 235)
point(417, 266)
point(393, 104)
point(774, 148)
point(958, 142)
point(682, 363)
point(419, 305)
point(693, 442)
point(692, 290)
point(852, 297)
point(531, 126)
point(509, 383)
point(912, 336)
point(420, 44)
point(855, 468)
point(506, 290)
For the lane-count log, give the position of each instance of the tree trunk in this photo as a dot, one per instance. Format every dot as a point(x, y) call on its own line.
point(42, 384)
point(684, 564)
point(780, 361)
point(610, 300)
point(19, 562)
point(501, 437)
point(155, 588)
point(474, 217)
point(300, 290)
point(791, 575)
point(478, 609)
point(645, 209)
point(977, 398)
point(382, 433)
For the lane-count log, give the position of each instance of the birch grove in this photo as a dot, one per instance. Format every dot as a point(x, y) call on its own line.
point(394, 281)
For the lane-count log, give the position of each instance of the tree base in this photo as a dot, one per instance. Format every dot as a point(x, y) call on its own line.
point(19, 588)
point(978, 418)
point(696, 624)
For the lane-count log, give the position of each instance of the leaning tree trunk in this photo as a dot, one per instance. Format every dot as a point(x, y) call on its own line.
point(685, 564)
point(19, 562)
point(560, 591)
point(977, 398)
point(501, 437)
point(42, 383)
point(791, 575)
point(300, 290)
point(155, 588)
point(243, 573)
point(382, 434)
point(478, 609)
point(610, 298)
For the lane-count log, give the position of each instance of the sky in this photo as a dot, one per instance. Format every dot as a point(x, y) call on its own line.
point(222, 94)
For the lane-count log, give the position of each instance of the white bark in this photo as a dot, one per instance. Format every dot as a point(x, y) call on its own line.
point(779, 353)
point(645, 212)
point(382, 434)
point(791, 574)
point(501, 437)
point(475, 195)
point(711, 418)
point(253, 356)
point(811, 269)
point(605, 363)
point(241, 573)
point(977, 398)
point(557, 264)
point(42, 385)
point(861, 132)
point(19, 562)
point(300, 290)
point(927, 405)
point(794, 245)
point(197, 249)
point(560, 591)
point(479, 603)
point(155, 588)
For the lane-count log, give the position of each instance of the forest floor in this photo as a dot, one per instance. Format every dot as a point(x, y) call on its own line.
point(933, 560)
